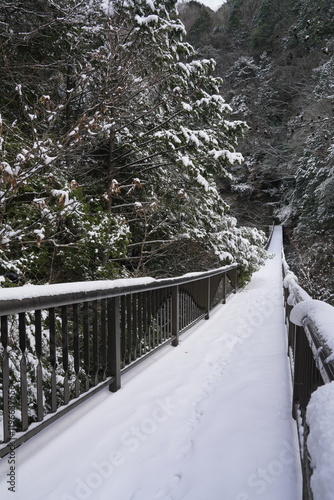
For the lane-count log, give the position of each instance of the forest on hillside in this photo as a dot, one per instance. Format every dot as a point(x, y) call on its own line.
point(276, 58)
point(114, 139)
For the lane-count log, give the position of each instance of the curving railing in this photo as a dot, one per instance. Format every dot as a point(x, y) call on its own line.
point(270, 231)
point(60, 344)
point(311, 352)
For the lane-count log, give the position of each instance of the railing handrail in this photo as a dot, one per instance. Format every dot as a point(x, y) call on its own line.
point(86, 334)
point(313, 330)
point(271, 232)
point(34, 297)
point(309, 354)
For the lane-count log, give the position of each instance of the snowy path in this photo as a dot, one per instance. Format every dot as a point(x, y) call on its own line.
point(208, 420)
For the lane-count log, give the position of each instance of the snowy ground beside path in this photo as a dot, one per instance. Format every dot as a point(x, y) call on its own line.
point(208, 420)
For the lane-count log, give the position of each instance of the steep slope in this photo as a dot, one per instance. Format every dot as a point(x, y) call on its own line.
point(276, 59)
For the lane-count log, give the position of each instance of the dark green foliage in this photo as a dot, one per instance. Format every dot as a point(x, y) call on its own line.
point(198, 33)
point(109, 125)
point(276, 57)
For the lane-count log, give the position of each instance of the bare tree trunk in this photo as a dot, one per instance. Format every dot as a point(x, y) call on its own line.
point(110, 177)
point(111, 167)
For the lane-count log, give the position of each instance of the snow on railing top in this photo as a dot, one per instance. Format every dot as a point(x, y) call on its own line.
point(307, 310)
point(321, 315)
point(29, 297)
point(311, 351)
point(84, 335)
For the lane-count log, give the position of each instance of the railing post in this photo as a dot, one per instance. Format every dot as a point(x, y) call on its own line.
point(53, 358)
point(302, 388)
point(114, 344)
point(39, 370)
point(23, 372)
point(86, 341)
point(95, 374)
point(104, 338)
point(299, 369)
point(224, 288)
point(175, 315)
point(64, 333)
point(208, 298)
point(235, 278)
point(76, 348)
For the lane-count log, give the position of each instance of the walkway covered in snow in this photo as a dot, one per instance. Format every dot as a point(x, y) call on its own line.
point(207, 420)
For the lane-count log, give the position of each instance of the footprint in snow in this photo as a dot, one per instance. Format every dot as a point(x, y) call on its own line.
point(165, 494)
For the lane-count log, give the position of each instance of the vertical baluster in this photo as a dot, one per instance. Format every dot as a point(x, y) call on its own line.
point(235, 278)
point(64, 340)
point(185, 309)
point(208, 298)
point(190, 299)
point(95, 343)
point(190, 303)
point(155, 325)
point(5, 381)
point(123, 331)
point(175, 311)
point(149, 321)
point(114, 343)
point(169, 313)
point(180, 309)
point(299, 369)
point(164, 314)
point(85, 314)
point(145, 323)
point(76, 349)
point(158, 316)
point(129, 331)
point(135, 325)
point(164, 317)
point(291, 330)
point(39, 370)
point(140, 324)
point(53, 358)
point(160, 313)
point(309, 371)
point(23, 372)
point(184, 319)
point(224, 289)
point(154, 333)
point(103, 338)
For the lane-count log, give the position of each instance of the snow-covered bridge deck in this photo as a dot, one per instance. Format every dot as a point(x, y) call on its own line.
point(207, 420)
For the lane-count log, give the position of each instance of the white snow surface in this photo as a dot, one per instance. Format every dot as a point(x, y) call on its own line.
point(321, 314)
point(320, 441)
point(33, 291)
point(207, 420)
point(290, 281)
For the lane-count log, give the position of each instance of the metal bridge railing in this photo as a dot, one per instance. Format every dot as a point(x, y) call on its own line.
point(309, 359)
point(60, 344)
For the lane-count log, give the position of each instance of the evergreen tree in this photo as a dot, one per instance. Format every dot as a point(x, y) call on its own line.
point(112, 146)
